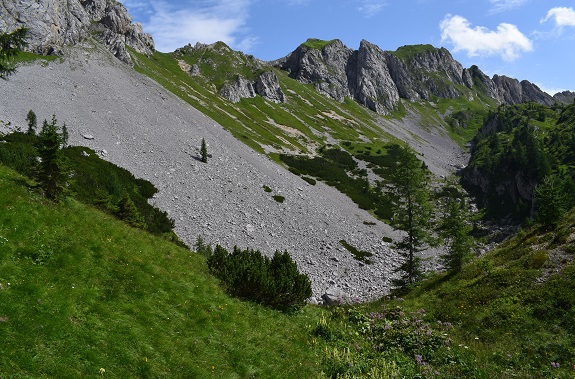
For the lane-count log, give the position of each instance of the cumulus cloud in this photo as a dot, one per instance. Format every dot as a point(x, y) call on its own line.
point(206, 21)
point(370, 8)
point(562, 16)
point(505, 5)
point(507, 41)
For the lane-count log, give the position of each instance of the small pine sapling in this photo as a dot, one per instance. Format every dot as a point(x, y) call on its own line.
point(204, 151)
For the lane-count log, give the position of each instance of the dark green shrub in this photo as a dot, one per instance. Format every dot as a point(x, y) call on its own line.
point(248, 274)
point(311, 181)
point(279, 198)
point(360, 255)
point(95, 181)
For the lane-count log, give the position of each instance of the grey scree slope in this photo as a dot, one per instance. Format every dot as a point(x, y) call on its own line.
point(142, 127)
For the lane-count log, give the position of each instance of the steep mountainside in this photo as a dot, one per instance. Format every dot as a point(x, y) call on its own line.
point(378, 79)
point(137, 124)
point(55, 24)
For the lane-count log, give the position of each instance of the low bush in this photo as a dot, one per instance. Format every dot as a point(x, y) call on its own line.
point(248, 274)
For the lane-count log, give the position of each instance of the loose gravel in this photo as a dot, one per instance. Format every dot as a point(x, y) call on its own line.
point(136, 124)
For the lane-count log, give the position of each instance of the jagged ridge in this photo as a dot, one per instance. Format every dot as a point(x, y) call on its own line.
point(379, 79)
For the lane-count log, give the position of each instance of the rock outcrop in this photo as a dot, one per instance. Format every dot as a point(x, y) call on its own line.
point(565, 97)
point(378, 79)
point(267, 86)
point(55, 24)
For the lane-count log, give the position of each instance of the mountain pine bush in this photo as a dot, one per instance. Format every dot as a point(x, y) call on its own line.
point(274, 282)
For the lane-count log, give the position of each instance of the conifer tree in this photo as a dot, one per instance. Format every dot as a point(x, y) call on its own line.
point(10, 45)
point(553, 198)
point(204, 151)
point(412, 212)
point(128, 212)
point(454, 228)
point(32, 122)
point(53, 172)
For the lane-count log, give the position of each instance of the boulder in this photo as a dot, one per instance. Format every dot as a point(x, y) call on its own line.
point(335, 296)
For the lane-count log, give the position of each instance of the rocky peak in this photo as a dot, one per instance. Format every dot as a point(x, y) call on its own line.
point(370, 79)
point(266, 85)
point(54, 24)
point(322, 63)
point(565, 97)
point(378, 79)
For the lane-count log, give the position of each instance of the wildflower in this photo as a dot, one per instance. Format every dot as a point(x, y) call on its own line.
point(419, 359)
point(555, 364)
point(102, 371)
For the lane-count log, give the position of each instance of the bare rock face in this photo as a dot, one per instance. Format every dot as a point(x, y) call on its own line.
point(377, 79)
point(266, 85)
point(482, 82)
point(565, 97)
point(326, 69)
point(240, 89)
point(54, 24)
point(371, 81)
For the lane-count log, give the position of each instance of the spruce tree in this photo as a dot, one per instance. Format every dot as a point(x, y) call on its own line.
point(53, 171)
point(410, 196)
point(128, 212)
point(10, 45)
point(32, 122)
point(454, 228)
point(553, 198)
point(204, 151)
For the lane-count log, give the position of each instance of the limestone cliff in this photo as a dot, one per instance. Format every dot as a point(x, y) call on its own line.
point(378, 79)
point(54, 24)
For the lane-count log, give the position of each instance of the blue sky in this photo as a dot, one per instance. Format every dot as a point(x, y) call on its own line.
point(523, 39)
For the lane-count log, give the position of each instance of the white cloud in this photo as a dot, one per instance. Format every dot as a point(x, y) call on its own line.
point(562, 16)
point(206, 21)
point(371, 7)
point(505, 5)
point(507, 41)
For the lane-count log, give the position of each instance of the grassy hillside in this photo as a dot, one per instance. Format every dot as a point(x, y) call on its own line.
point(84, 295)
point(307, 121)
point(81, 291)
point(508, 314)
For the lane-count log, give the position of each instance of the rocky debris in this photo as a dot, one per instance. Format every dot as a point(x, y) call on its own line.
point(57, 24)
point(155, 135)
point(378, 79)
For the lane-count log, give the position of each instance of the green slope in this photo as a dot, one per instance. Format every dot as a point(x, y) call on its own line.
point(307, 121)
point(81, 291)
point(508, 314)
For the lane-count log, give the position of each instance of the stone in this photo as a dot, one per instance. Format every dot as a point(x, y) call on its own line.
point(335, 296)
